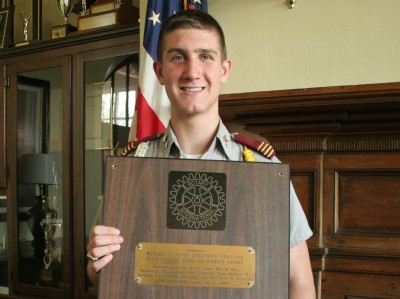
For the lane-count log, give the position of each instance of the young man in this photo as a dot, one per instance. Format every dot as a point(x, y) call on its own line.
point(192, 65)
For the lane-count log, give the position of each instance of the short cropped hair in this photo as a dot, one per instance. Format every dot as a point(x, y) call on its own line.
point(191, 19)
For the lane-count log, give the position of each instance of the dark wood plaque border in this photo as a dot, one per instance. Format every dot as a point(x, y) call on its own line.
point(257, 215)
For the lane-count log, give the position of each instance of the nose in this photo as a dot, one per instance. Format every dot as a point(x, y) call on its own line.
point(191, 70)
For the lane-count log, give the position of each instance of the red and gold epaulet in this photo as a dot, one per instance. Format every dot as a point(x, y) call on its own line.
point(132, 145)
point(262, 147)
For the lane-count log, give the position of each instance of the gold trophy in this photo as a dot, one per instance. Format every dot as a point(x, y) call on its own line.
point(65, 8)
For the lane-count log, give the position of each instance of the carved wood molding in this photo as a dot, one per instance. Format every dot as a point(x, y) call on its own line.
point(298, 146)
point(364, 145)
point(345, 145)
point(346, 118)
point(75, 38)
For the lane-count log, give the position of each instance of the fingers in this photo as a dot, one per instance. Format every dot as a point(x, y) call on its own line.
point(103, 235)
point(100, 230)
point(99, 264)
point(102, 251)
point(103, 242)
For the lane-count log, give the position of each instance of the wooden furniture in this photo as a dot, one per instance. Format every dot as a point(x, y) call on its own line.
point(343, 144)
point(82, 81)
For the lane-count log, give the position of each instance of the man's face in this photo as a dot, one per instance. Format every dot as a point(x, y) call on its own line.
point(192, 71)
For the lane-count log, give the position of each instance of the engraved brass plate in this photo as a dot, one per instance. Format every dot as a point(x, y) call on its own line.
point(58, 31)
point(194, 265)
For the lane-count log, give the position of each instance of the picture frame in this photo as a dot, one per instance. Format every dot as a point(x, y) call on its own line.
point(6, 21)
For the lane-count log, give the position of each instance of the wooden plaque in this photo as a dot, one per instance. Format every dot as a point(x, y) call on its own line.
point(197, 229)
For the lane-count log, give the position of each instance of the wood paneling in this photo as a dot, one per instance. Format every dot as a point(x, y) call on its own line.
point(360, 200)
point(360, 285)
point(343, 146)
point(375, 197)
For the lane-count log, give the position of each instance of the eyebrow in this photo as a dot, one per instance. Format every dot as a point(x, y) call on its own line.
point(200, 50)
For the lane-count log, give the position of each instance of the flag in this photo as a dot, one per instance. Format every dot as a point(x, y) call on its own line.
point(152, 105)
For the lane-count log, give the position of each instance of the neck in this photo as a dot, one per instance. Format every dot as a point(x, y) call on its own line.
point(195, 135)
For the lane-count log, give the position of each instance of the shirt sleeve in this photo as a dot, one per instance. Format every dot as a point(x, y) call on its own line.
point(299, 228)
point(300, 231)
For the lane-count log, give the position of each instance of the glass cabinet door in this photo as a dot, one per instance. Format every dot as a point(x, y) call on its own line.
point(3, 197)
point(39, 193)
point(110, 95)
point(109, 91)
point(37, 187)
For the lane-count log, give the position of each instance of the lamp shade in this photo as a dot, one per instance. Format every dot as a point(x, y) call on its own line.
point(38, 169)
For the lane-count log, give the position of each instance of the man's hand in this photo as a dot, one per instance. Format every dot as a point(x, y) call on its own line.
point(103, 242)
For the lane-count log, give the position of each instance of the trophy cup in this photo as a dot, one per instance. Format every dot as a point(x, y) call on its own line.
point(65, 8)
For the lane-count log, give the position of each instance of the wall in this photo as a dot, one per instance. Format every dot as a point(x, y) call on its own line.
point(318, 43)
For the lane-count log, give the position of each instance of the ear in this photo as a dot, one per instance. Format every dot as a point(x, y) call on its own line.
point(226, 70)
point(157, 67)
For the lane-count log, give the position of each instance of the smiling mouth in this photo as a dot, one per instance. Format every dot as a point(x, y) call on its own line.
point(192, 89)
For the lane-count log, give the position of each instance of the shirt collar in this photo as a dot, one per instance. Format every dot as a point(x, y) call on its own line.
point(223, 141)
point(168, 141)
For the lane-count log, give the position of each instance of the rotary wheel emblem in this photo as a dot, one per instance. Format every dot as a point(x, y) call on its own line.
point(197, 200)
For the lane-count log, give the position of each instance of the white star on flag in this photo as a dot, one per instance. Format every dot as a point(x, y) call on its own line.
point(155, 18)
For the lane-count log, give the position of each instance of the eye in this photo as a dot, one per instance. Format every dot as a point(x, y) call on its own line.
point(178, 58)
point(206, 57)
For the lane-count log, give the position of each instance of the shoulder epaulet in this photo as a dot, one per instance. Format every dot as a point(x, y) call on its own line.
point(262, 147)
point(132, 145)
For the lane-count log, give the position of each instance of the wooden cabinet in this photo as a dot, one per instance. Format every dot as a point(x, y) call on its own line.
point(59, 103)
point(343, 145)
point(3, 167)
